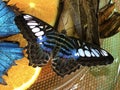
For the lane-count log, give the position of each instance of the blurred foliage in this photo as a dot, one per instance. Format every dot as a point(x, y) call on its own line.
point(110, 73)
point(104, 2)
point(117, 4)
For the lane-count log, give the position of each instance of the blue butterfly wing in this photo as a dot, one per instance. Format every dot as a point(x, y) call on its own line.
point(90, 54)
point(7, 23)
point(9, 52)
point(68, 53)
point(33, 31)
point(39, 48)
point(60, 48)
point(32, 27)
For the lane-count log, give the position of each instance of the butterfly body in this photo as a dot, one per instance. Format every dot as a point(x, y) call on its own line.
point(67, 53)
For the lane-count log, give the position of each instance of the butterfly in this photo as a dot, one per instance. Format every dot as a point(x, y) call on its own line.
point(67, 53)
point(9, 50)
point(7, 24)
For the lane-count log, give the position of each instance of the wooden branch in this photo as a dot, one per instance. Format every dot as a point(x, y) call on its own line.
point(105, 12)
point(84, 14)
point(110, 26)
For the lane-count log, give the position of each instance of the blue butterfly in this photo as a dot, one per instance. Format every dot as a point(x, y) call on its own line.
point(9, 52)
point(7, 24)
point(67, 53)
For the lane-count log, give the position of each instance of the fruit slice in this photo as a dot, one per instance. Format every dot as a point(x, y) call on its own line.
point(43, 9)
point(21, 76)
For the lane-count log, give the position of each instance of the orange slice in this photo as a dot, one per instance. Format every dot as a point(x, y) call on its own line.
point(21, 76)
point(42, 9)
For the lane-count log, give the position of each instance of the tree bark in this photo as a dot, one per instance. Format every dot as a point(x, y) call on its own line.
point(85, 17)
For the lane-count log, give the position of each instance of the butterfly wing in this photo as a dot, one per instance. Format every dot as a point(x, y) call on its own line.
point(41, 46)
point(73, 53)
point(36, 56)
point(7, 24)
point(91, 55)
point(34, 31)
point(62, 49)
point(32, 27)
point(9, 52)
point(64, 66)
point(67, 52)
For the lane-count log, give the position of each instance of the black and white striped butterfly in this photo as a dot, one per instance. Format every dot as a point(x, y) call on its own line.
point(67, 53)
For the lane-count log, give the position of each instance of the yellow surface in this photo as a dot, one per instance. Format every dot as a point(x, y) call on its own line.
point(20, 76)
point(43, 9)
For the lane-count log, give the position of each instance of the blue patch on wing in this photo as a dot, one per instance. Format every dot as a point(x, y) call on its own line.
point(7, 23)
point(9, 52)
